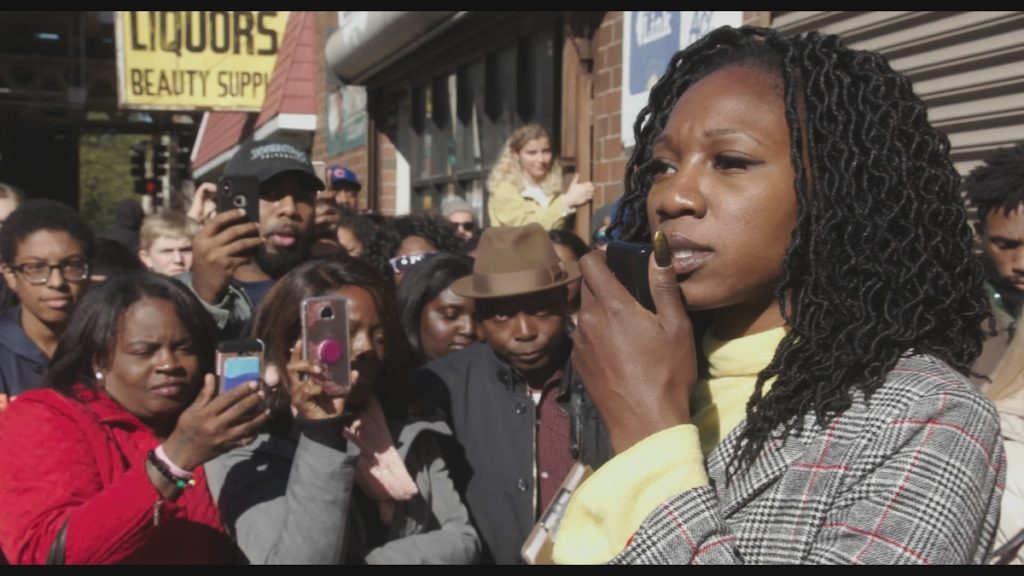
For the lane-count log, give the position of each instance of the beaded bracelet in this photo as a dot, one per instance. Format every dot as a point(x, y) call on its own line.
point(161, 467)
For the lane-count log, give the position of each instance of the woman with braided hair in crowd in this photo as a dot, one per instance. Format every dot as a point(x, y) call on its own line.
point(799, 396)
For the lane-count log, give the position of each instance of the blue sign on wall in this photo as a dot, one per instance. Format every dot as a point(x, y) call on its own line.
point(649, 40)
point(654, 40)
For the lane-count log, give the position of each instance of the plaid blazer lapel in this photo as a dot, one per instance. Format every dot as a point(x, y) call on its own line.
point(771, 463)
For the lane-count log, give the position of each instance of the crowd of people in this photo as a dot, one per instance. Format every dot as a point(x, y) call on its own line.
point(829, 374)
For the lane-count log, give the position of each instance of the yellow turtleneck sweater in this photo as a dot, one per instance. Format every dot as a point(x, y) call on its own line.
point(606, 510)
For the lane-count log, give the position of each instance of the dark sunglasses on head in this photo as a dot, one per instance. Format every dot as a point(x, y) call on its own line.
point(402, 264)
point(467, 226)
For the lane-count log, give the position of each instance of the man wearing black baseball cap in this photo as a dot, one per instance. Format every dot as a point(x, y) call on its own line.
point(237, 261)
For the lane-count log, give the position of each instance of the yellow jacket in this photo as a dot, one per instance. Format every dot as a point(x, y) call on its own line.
point(599, 521)
point(507, 206)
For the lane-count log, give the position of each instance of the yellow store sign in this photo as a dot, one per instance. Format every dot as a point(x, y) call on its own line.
point(196, 60)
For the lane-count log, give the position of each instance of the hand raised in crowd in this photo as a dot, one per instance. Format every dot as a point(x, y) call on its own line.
point(638, 367)
point(579, 193)
point(224, 243)
point(307, 395)
point(215, 424)
point(203, 204)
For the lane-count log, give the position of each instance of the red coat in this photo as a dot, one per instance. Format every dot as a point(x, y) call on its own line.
point(62, 458)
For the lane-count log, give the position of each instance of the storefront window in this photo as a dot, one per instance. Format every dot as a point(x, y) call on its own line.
point(457, 122)
point(470, 148)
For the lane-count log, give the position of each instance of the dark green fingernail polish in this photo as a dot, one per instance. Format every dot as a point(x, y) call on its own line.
point(662, 256)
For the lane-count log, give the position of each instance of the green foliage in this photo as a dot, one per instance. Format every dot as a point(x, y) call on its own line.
point(104, 177)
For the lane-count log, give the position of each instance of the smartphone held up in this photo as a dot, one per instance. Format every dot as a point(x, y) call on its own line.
point(628, 261)
point(238, 362)
point(234, 192)
point(325, 341)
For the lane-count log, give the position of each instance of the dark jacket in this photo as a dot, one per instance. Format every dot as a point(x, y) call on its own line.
point(127, 222)
point(494, 421)
point(21, 362)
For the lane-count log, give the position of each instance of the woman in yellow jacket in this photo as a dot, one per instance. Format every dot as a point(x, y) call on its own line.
point(526, 183)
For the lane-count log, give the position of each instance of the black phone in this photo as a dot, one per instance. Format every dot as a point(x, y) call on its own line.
point(628, 261)
point(243, 192)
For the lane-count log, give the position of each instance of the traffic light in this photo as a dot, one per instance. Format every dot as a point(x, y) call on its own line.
point(138, 167)
point(159, 159)
point(154, 186)
point(139, 160)
point(183, 156)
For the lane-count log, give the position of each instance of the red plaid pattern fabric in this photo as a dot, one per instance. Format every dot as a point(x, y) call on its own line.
point(913, 476)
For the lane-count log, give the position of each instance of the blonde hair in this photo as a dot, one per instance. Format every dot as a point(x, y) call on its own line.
point(507, 168)
point(170, 224)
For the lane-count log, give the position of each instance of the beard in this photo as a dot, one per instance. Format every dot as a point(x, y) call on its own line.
point(279, 263)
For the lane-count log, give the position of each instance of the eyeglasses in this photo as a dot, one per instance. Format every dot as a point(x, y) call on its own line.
point(467, 226)
point(401, 264)
point(39, 272)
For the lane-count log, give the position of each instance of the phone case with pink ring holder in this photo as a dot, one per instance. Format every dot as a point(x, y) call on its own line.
point(325, 341)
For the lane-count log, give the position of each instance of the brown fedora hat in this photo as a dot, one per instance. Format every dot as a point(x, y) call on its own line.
point(514, 260)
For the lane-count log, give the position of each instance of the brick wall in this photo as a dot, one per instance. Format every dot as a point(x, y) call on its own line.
point(386, 171)
point(324, 20)
point(609, 158)
point(355, 159)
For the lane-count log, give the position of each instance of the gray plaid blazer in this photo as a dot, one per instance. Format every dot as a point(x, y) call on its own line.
point(913, 476)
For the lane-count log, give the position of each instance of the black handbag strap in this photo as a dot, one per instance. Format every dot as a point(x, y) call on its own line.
point(56, 555)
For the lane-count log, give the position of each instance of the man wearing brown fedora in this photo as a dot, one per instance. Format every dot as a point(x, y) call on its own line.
point(520, 414)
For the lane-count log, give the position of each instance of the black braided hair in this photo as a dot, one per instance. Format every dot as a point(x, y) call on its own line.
point(998, 183)
point(879, 264)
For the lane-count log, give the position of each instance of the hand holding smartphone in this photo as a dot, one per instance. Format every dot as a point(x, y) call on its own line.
point(238, 362)
point(234, 192)
point(226, 240)
point(325, 341)
point(628, 261)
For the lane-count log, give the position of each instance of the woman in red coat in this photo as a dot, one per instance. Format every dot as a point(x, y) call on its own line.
point(110, 449)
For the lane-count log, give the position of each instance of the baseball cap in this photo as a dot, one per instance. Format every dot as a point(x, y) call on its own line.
point(266, 159)
point(339, 174)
